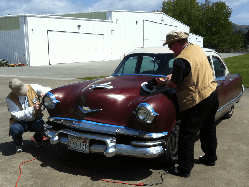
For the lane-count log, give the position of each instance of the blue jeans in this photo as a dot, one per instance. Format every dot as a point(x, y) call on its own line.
point(17, 129)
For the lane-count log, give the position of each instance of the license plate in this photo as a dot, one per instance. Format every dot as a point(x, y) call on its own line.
point(78, 144)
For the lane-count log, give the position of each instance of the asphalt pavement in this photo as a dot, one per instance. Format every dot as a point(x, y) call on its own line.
point(62, 71)
point(231, 169)
point(70, 71)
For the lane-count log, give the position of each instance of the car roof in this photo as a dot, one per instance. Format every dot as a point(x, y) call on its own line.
point(153, 50)
point(162, 50)
point(209, 50)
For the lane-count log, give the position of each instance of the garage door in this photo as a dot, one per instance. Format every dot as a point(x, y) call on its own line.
point(67, 47)
point(154, 40)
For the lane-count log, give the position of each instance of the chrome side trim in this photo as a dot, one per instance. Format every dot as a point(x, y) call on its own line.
point(105, 128)
point(111, 148)
point(227, 106)
point(220, 78)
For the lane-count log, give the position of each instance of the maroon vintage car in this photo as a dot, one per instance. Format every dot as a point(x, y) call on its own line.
point(116, 116)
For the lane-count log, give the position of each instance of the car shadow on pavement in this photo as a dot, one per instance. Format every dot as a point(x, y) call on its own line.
point(99, 166)
point(95, 166)
point(9, 149)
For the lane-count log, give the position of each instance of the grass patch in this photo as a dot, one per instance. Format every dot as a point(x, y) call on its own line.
point(239, 64)
point(92, 78)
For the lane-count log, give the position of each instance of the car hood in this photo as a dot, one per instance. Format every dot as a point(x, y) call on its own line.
point(104, 100)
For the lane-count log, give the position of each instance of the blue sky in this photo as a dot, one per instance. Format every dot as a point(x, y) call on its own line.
point(239, 16)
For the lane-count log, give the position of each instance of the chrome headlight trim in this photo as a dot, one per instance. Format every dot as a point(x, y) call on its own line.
point(145, 113)
point(51, 98)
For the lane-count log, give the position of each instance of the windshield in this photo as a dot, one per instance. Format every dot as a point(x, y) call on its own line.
point(156, 64)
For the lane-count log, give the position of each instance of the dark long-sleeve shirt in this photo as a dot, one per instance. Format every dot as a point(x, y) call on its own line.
point(181, 69)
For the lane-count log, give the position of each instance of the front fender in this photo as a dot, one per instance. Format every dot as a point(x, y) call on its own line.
point(163, 105)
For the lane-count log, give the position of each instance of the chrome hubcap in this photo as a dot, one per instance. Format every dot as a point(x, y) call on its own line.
point(173, 141)
point(231, 110)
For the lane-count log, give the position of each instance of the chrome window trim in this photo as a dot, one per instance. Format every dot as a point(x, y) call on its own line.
point(105, 128)
point(209, 57)
point(221, 61)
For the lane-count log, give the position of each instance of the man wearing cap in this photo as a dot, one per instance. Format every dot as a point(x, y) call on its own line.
point(195, 86)
point(25, 108)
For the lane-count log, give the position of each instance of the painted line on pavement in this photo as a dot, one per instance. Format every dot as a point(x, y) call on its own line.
point(32, 77)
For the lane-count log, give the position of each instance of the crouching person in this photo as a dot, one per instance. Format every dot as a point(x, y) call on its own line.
point(24, 105)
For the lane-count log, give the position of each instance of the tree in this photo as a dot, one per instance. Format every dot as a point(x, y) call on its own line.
point(247, 39)
point(218, 29)
point(186, 11)
point(238, 41)
point(210, 20)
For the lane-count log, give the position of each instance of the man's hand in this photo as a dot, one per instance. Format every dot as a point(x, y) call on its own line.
point(37, 106)
point(169, 76)
point(42, 94)
point(169, 82)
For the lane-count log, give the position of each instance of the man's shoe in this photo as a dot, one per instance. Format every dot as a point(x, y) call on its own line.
point(39, 144)
point(19, 149)
point(174, 171)
point(206, 162)
point(44, 139)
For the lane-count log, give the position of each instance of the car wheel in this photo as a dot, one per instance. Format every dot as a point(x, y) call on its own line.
point(170, 154)
point(229, 113)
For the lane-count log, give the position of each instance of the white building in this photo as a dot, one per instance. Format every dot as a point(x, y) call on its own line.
point(37, 40)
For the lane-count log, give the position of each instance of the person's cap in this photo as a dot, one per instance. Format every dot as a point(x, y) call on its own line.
point(175, 35)
point(18, 86)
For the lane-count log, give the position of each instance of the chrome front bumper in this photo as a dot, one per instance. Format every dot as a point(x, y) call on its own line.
point(109, 147)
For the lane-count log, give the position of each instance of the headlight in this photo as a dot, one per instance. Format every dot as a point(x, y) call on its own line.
point(49, 100)
point(145, 113)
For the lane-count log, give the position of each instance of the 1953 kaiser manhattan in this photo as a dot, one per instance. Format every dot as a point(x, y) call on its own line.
point(115, 116)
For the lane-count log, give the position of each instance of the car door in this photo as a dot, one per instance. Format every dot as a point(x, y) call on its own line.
point(220, 78)
point(233, 86)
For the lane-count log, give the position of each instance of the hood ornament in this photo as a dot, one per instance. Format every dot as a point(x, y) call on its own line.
point(86, 110)
point(104, 86)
